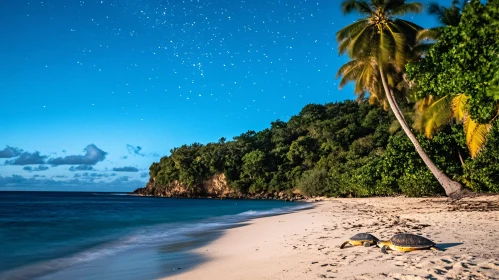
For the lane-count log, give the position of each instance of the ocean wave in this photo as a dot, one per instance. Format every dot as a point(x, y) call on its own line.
point(150, 236)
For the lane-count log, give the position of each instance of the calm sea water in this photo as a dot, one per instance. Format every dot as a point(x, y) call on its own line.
point(62, 235)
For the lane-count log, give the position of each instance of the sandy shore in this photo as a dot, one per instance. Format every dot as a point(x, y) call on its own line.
point(305, 245)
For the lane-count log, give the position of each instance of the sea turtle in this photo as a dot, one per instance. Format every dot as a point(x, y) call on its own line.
point(364, 239)
point(405, 242)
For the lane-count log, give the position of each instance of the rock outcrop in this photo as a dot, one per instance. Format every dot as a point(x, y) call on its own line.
point(214, 187)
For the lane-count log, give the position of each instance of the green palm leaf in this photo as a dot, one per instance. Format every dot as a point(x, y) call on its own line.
point(364, 72)
point(458, 106)
point(350, 30)
point(343, 46)
point(359, 46)
point(361, 7)
point(476, 134)
point(428, 34)
point(436, 9)
point(387, 47)
point(432, 114)
point(351, 74)
point(388, 5)
point(447, 15)
point(399, 48)
point(346, 67)
point(409, 29)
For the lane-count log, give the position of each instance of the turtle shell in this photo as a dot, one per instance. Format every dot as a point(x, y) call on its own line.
point(364, 236)
point(411, 240)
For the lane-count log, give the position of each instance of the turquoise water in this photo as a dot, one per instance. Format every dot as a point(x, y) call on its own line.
point(57, 235)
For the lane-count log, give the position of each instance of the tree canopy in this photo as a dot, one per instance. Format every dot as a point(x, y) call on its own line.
point(336, 149)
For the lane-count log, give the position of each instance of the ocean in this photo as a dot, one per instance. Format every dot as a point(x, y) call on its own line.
point(74, 235)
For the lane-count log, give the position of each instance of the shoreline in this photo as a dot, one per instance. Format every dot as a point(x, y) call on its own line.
point(305, 244)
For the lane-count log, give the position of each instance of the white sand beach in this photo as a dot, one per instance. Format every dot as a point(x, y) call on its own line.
point(305, 244)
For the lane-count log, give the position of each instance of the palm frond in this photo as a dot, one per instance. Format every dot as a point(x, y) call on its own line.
point(435, 9)
point(476, 135)
point(386, 47)
point(399, 52)
point(345, 67)
point(407, 25)
point(360, 88)
point(421, 105)
point(343, 46)
point(388, 5)
point(377, 3)
point(360, 96)
point(428, 34)
point(398, 37)
point(452, 16)
point(360, 43)
point(350, 30)
point(437, 115)
point(458, 106)
point(406, 8)
point(447, 15)
point(367, 82)
point(429, 126)
point(377, 94)
point(360, 6)
point(394, 127)
point(369, 76)
point(351, 74)
point(431, 114)
point(386, 105)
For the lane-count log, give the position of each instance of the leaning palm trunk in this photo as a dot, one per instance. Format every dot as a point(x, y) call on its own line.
point(452, 188)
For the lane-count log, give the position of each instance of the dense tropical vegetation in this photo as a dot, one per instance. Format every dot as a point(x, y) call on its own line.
point(337, 149)
point(459, 76)
point(444, 82)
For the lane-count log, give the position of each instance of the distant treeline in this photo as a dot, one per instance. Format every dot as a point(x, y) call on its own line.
point(338, 149)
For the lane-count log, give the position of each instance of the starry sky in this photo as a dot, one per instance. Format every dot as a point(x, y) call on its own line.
point(94, 91)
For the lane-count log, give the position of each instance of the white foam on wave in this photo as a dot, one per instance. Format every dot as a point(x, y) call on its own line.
point(274, 211)
point(110, 194)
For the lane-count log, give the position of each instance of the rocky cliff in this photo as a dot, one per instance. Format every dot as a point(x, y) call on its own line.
point(214, 187)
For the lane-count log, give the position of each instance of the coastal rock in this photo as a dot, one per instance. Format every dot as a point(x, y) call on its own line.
point(214, 187)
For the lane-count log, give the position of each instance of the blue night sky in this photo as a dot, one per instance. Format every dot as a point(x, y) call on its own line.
point(94, 91)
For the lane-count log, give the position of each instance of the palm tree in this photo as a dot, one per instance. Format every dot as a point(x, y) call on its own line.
point(389, 42)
